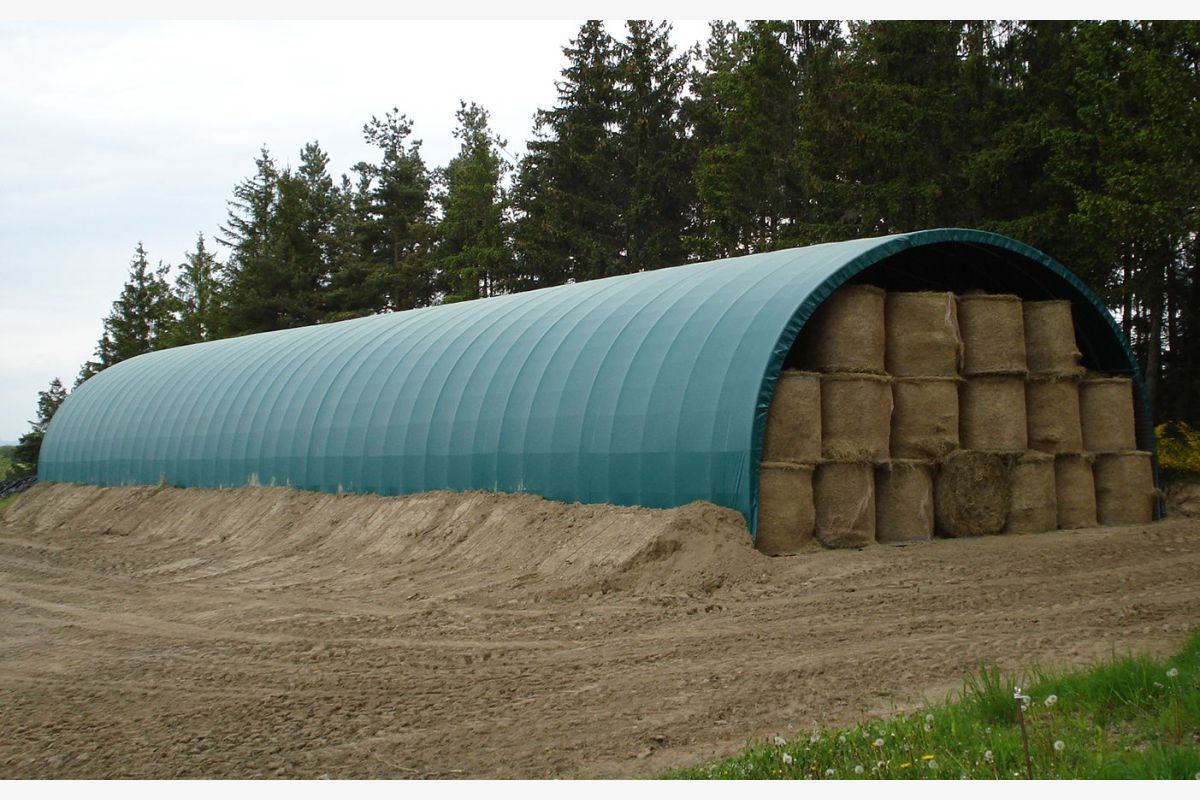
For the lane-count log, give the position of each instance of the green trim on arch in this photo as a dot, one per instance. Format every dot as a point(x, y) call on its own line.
point(647, 389)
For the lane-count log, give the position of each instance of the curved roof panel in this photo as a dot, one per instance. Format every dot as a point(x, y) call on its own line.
point(647, 389)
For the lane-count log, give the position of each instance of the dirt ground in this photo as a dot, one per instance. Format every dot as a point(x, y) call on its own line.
point(157, 633)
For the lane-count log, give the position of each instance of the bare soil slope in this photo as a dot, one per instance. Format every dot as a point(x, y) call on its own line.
point(152, 632)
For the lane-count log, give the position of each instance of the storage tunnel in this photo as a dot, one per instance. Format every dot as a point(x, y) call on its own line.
point(648, 389)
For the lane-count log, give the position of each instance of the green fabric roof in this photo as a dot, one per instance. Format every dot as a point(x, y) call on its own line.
point(647, 389)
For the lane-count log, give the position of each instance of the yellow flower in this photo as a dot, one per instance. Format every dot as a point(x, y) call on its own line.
point(906, 765)
point(929, 757)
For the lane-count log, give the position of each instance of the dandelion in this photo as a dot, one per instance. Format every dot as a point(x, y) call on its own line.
point(829, 773)
point(842, 739)
point(879, 742)
point(1173, 672)
point(929, 718)
point(814, 738)
point(1059, 745)
point(779, 741)
point(858, 769)
point(787, 759)
point(906, 765)
point(931, 764)
point(927, 727)
point(988, 756)
point(929, 757)
point(1051, 700)
point(878, 765)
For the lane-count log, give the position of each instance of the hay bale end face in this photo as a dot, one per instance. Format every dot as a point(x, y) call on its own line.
point(972, 494)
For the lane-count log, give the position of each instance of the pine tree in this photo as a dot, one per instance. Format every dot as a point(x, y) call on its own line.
point(472, 256)
point(30, 446)
point(568, 193)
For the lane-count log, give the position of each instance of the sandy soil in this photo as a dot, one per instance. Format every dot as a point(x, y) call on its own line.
point(161, 633)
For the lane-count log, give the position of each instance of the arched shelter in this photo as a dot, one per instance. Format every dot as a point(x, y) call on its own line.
point(648, 389)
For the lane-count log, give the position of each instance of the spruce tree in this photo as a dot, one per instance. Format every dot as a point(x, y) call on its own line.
point(394, 197)
point(30, 446)
point(199, 296)
point(652, 152)
point(472, 256)
point(568, 192)
point(142, 318)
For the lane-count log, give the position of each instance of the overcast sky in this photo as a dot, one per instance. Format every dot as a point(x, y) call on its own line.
point(114, 133)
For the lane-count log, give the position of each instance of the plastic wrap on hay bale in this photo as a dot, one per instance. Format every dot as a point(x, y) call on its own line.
point(785, 508)
point(924, 417)
point(844, 496)
point(1052, 411)
point(991, 411)
point(1076, 490)
point(1050, 338)
point(993, 333)
point(1034, 504)
point(1106, 411)
point(972, 493)
point(904, 501)
point(856, 417)
point(794, 422)
point(846, 332)
point(1125, 493)
point(922, 334)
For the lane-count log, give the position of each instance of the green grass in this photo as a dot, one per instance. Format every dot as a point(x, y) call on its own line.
point(12, 498)
point(1127, 718)
point(7, 464)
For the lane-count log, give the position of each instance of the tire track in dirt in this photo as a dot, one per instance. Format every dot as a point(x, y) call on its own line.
point(268, 640)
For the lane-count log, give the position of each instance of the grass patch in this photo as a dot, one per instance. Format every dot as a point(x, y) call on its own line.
point(12, 498)
point(1127, 718)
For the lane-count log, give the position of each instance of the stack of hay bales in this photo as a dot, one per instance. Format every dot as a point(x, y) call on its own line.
point(923, 412)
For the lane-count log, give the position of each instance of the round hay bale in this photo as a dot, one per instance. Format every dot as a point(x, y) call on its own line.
point(1033, 507)
point(794, 421)
point(904, 501)
point(922, 334)
point(844, 496)
point(1052, 412)
point(972, 494)
point(1106, 414)
point(785, 508)
point(846, 332)
point(1050, 338)
point(991, 412)
point(1075, 489)
point(924, 417)
point(1125, 493)
point(856, 417)
point(993, 333)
